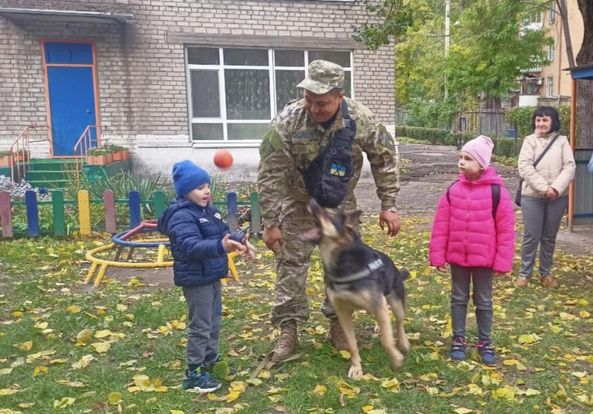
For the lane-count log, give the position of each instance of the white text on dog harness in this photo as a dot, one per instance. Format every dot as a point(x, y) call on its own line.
point(361, 274)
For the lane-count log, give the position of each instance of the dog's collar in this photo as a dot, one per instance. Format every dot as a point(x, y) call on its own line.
point(361, 274)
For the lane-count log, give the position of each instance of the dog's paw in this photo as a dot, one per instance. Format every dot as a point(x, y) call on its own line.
point(398, 360)
point(355, 372)
point(404, 345)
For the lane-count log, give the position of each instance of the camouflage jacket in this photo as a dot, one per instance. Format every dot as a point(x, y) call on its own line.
point(295, 139)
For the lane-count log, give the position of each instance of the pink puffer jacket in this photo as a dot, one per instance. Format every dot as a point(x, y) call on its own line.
point(464, 231)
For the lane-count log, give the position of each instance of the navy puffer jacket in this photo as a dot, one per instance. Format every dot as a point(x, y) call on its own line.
point(196, 242)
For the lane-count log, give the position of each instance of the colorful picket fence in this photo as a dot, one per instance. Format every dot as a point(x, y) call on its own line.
point(158, 202)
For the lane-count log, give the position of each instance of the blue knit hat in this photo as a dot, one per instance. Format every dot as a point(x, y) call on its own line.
point(187, 176)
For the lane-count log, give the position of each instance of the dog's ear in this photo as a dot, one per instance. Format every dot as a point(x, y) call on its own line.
point(352, 220)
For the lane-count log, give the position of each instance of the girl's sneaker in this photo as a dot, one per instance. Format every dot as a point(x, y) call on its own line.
point(200, 381)
point(457, 352)
point(487, 353)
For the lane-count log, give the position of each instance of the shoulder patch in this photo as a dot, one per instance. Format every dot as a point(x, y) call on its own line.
point(272, 142)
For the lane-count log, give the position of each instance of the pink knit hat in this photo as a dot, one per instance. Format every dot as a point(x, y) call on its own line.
point(481, 149)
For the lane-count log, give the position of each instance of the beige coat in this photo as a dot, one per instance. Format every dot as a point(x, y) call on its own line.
point(556, 169)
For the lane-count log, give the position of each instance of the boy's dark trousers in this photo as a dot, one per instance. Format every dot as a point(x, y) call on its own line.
point(204, 305)
point(481, 279)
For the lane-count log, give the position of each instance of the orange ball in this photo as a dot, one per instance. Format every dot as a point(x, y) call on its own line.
point(223, 159)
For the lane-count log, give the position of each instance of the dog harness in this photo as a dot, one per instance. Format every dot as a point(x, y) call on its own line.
point(361, 274)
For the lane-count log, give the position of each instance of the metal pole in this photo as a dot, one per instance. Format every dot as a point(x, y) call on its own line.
point(573, 132)
point(447, 38)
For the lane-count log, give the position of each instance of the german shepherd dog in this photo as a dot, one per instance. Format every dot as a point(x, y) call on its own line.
point(359, 277)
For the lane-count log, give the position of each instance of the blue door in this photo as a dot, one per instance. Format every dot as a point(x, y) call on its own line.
point(70, 80)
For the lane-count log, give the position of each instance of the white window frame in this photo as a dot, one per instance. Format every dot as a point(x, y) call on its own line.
point(220, 68)
point(551, 52)
point(549, 86)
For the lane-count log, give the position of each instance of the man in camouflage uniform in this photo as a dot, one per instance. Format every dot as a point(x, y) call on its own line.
point(297, 135)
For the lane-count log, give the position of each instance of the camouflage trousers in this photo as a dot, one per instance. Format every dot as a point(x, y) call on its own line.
point(292, 267)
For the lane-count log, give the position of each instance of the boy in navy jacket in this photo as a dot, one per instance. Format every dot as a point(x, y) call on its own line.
point(200, 241)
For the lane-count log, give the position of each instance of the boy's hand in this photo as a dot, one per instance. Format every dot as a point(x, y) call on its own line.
point(442, 269)
point(503, 273)
point(231, 245)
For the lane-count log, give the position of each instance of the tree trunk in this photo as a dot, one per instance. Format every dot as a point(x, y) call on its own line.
point(566, 29)
point(585, 87)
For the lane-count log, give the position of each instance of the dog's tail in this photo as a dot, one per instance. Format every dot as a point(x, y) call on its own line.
point(405, 274)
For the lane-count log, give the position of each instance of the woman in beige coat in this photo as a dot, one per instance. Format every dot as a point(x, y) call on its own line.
point(545, 193)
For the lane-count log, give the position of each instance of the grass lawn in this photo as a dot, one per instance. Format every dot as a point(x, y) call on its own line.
point(65, 347)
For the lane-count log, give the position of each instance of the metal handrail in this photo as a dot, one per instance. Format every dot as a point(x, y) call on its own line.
point(20, 153)
point(83, 145)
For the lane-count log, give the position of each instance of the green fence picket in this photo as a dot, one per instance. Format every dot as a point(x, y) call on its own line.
point(160, 202)
point(255, 213)
point(57, 207)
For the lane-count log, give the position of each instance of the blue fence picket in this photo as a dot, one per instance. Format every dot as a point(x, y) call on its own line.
point(135, 212)
point(32, 213)
point(232, 219)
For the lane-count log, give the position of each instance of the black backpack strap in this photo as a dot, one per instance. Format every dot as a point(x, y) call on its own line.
point(448, 188)
point(495, 198)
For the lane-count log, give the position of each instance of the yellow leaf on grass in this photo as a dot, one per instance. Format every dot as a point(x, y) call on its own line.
point(180, 326)
point(392, 384)
point(26, 346)
point(578, 374)
point(39, 370)
point(73, 309)
point(83, 362)
point(462, 410)
point(238, 386)
point(84, 336)
point(176, 412)
point(320, 390)
point(264, 374)
point(530, 392)
point(528, 339)
point(345, 354)
point(504, 393)
point(347, 389)
point(429, 377)
point(232, 396)
point(64, 402)
point(103, 334)
point(41, 325)
point(5, 371)
point(115, 398)
point(474, 389)
point(7, 391)
point(584, 314)
point(121, 307)
point(101, 347)
point(367, 408)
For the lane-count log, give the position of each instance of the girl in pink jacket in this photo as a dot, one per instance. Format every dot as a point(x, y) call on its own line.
point(474, 232)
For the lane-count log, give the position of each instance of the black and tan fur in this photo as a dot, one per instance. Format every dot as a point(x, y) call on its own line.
point(359, 277)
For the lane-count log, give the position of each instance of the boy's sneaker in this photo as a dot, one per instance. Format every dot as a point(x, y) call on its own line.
point(200, 381)
point(487, 353)
point(457, 352)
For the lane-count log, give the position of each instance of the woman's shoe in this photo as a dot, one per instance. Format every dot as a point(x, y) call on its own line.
point(521, 281)
point(549, 282)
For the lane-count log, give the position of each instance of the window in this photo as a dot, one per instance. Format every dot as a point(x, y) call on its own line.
point(533, 17)
point(551, 52)
point(234, 93)
point(550, 86)
point(552, 16)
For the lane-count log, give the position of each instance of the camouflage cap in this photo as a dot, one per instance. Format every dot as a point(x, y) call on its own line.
point(323, 77)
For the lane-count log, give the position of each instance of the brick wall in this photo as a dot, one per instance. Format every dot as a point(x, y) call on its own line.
point(141, 72)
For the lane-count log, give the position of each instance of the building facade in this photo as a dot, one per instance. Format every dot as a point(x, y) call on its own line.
point(552, 83)
point(174, 79)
